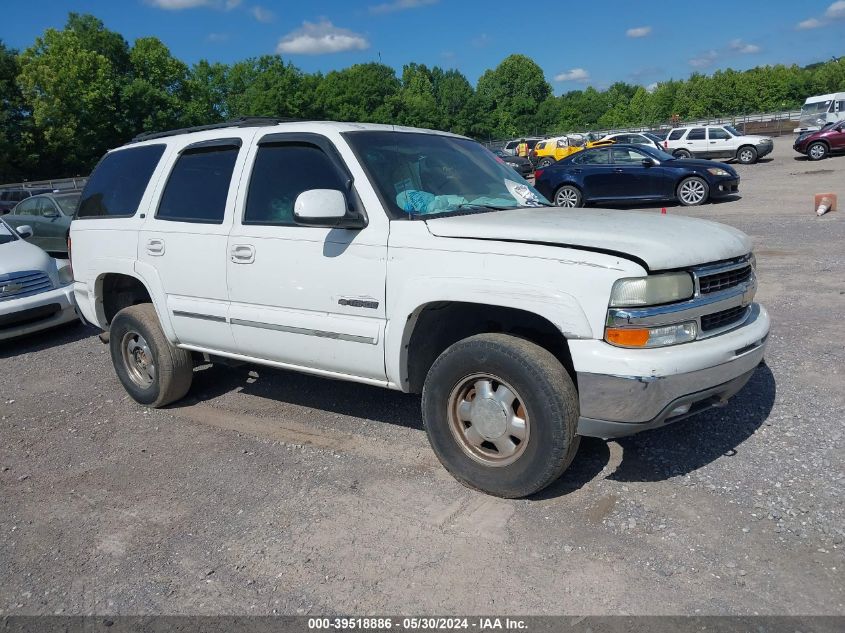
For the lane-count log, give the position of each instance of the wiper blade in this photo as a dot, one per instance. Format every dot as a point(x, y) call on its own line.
point(492, 207)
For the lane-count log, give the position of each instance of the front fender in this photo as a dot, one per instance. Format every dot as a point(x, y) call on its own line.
point(559, 308)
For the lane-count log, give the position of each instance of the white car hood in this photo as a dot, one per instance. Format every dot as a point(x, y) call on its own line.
point(661, 241)
point(19, 256)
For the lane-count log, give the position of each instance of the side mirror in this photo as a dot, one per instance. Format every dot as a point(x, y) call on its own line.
point(648, 162)
point(25, 231)
point(324, 207)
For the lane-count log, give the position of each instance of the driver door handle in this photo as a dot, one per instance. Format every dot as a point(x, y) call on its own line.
point(242, 254)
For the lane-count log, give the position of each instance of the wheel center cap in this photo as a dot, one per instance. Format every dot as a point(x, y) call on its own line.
point(489, 418)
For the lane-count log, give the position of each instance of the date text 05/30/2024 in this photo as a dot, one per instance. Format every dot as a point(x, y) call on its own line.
point(417, 624)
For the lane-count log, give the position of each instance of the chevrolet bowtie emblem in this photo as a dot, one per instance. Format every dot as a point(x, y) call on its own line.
point(10, 288)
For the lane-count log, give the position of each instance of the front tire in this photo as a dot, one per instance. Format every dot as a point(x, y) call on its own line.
point(501, 414)
point(546, 161)
point(569, 196)
point(682, 153)
point(693, 191)
point(747, 155)
point(817, 151)
point(151, 370)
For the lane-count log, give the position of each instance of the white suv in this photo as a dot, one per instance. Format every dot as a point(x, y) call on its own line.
point(717, 141)
point(413, 260)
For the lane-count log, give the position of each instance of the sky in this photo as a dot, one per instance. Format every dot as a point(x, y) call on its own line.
point(577, 44)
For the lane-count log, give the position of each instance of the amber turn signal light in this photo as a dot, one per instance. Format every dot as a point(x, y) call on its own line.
point(627, 337)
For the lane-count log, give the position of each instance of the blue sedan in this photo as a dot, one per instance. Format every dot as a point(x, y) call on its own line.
point(635, 174)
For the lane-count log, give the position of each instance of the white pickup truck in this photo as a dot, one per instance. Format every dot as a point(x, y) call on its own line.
point(412, 260)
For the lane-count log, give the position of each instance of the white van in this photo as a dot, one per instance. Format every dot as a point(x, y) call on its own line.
point(819, 110)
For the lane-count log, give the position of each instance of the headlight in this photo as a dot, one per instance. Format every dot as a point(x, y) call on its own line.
point(651, 290)
point(65, 275)
point(718, 171)
point(652, 337)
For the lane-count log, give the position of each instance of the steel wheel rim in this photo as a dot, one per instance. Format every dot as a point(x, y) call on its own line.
point(746, 156)
point(567, 197)
point(816, 151)
point(138, 359)
point(488, 420)
point(692, 191)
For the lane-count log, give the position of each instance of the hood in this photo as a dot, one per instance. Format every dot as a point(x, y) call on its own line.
point(756, 138)
point(660, 241)
point(20, 255)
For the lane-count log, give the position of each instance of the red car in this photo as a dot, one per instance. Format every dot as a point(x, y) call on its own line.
point(819, 144)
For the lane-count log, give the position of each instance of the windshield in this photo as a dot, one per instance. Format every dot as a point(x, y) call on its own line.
point(814, 114)
point(419, 174)
point(733, 130)
point(652, 137)
point(68, 202)
point(655, 153)
point(6, 234)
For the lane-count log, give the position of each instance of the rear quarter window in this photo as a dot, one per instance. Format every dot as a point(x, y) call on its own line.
point(118, 183)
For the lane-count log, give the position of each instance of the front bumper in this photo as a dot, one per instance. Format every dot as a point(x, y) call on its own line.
point(764, 149)
point(26, 315)
point(662, 385)
point(726, 187)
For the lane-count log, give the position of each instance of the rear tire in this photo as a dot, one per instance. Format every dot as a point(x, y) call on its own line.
point(747, 155)
point(569, 197)
point(151, 370)
point(545, 162)
point(475, 396)
point(693, 191)
point(817, 151)
point(681, 153)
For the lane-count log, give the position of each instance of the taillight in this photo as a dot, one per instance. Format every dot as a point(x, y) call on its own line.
point(69, 257)
point(538, 172)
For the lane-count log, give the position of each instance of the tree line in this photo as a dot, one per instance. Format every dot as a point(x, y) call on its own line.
point(79, 91)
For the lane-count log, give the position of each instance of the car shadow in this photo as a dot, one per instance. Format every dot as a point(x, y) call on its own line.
point(686, 446)
point(668, 204)
point(45, 339)
point(675, 450)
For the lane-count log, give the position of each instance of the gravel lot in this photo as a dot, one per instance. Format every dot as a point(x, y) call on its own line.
point(272, 492)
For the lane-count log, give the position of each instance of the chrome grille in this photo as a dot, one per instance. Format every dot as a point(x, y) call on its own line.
point(723, 318)
point(724, 279)
point(24, 284)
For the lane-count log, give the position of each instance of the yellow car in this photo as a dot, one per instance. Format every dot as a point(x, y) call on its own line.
point(552, 150)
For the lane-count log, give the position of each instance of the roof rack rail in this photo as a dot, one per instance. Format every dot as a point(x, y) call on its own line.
point(244, 121)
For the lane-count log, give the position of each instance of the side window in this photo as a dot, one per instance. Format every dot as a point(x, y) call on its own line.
point(842, 106)
point(46, 208)
point(696, 134)
point(118, 183)
point(281, 172)
point(718, 134)
point(596, 157)
point(28, 207)
point(627, 156)
point(674, 135)
point(199, 185)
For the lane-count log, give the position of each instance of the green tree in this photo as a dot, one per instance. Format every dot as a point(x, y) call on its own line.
point(206, 94)
point(363, 92)
point(13, 120)
point(511, 94)
point(267, 86)
point(156, 89)
point(73, 80)
point(455, 100)
point(417, 101)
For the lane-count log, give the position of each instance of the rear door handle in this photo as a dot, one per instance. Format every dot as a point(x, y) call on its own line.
point(155, 247)
point(243, 254)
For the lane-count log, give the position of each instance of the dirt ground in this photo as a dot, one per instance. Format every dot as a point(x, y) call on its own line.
point(271, 492)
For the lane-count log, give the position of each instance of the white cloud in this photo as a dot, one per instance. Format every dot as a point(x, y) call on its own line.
point(321, 38)
point(836, 11)
point(810, 23)
point(399, 5)
point(744, 48)
point(574, 74)
point(704, 60)
point(261, 14)
point(639, 31)
point(651, 87)
point(178, 5)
